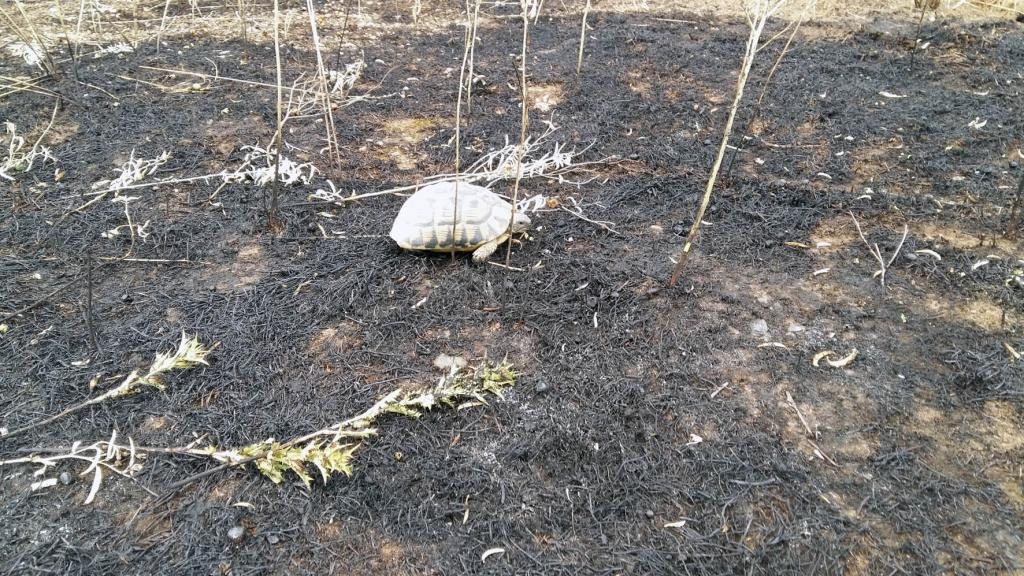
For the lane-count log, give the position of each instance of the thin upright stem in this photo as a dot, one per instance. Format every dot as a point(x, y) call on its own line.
point(524, 120)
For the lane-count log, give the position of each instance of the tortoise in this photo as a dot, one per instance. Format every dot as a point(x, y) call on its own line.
point(429, 217)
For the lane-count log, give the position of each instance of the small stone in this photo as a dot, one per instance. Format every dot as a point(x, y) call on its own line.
point(765, 300)
point(707, 142)
point(910, 256)
point(759, 328)
point(64, 478)
point(236, 533)
point(541, 387)
point(592, 301)
point(655, 229)
point(794, 328)
point(649, 513)
point(273, 539)
point(446, 363)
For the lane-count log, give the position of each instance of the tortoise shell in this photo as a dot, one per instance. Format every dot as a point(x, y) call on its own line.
point(430, 219)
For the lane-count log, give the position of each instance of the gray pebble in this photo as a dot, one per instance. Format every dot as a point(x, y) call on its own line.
point(236, 533)
point(759, 328)
point(541, 387)
point(65, 478)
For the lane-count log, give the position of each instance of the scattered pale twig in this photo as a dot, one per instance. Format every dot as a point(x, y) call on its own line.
point(718, 390)
point(123, 460)
point(578, 212)
point(469, 40)
point(474, 23)
point(273, 210)
point(338, 90)
point(792, 404)
point(131, 172)
point(826, 354)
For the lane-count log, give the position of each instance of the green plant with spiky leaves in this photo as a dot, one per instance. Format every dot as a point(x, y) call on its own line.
point(329, 450)
point(190, 353)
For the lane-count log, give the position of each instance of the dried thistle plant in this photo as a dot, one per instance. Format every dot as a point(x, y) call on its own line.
point(17, 159)
point(129, 174)
point(533, 159)
point(329, 450)
point(123, 460)
point(190, 353)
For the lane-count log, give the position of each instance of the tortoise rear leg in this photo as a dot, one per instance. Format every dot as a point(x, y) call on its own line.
point(481, 254)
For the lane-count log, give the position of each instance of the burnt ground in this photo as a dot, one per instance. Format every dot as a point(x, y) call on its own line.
point(908, 460)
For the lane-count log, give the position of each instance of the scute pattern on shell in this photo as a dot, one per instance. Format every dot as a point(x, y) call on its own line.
point(425, 220)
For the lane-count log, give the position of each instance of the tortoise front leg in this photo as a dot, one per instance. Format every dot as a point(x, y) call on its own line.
point(481, 254)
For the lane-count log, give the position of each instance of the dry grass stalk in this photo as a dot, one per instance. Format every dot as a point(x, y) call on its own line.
point(333, 148)
point(524, 120)
point(159, 32)
point(758, 12)
point(34, 47)
point(1013, 226)
point(583, 36)
point(243, 22)
point(469, 40)
point(273, 217)
point(474, 23)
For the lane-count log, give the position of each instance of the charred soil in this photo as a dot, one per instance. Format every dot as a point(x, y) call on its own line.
point(697, 407)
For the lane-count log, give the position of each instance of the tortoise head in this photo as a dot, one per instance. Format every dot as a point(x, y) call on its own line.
point(521, 223)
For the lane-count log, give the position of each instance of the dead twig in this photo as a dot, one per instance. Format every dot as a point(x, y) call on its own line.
point(877, 252)
point(1013, 226)
point(524, 120)
point(792, 404)
point(579, 214)
point(47, 297)
point(758, 13)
